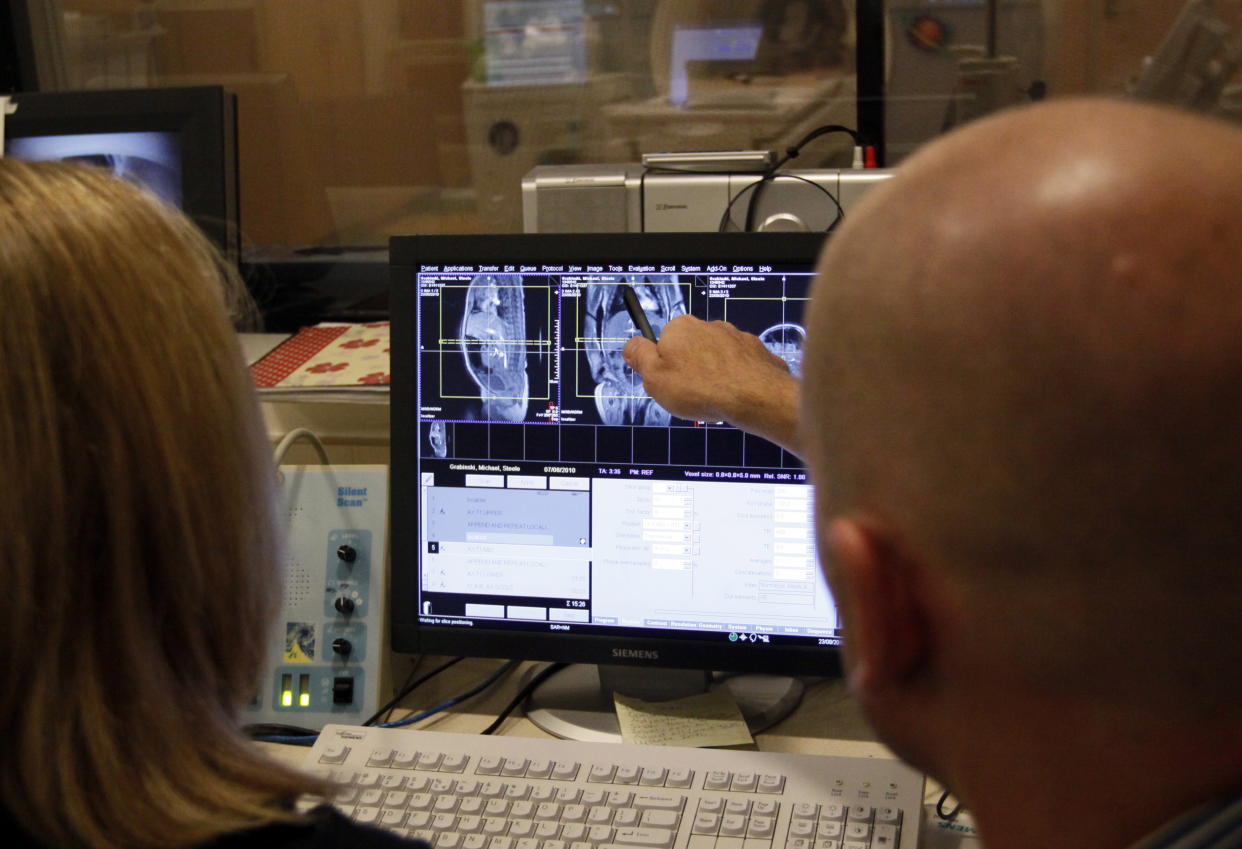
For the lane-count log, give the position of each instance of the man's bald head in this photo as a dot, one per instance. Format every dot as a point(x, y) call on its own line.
point(1025, 360)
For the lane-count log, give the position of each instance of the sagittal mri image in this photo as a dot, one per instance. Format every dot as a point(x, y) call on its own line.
point(437, 438)
point(486, 351)
point(606, 327)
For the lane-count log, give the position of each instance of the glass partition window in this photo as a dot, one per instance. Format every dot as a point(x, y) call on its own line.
point(359, 119)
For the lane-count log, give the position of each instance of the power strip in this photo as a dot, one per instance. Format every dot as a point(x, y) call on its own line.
point(325, 654)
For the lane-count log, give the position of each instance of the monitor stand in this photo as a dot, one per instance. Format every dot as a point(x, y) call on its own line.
point(576, 703)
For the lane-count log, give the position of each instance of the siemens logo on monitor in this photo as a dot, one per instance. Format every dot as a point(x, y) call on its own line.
point(637, 654)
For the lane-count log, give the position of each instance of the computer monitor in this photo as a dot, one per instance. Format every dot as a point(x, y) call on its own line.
point(181, 143)
point(544, 507)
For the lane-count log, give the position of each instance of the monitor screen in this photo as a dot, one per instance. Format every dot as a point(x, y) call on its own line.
point(545, 507)
point(179, 143)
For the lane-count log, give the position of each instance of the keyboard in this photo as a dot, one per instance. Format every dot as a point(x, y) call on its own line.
point(462, 791)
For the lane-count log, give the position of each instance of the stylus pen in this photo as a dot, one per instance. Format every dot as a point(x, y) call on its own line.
point(635, 309)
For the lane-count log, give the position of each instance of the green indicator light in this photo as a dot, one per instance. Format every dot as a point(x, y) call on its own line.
point(286, 698)
point(305, 700)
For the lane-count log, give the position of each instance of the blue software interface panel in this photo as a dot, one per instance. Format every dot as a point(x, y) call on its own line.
point(555, 495)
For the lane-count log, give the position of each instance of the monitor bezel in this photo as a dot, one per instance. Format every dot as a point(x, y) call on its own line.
point(406, 254)
point(203, 118)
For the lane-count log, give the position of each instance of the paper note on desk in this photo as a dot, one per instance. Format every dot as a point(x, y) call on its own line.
point(709, 719)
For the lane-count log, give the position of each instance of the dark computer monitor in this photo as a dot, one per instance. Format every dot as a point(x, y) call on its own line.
point(180, 143)
point(544, 507)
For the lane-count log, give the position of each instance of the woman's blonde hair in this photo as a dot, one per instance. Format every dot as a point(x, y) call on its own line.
point(138, 519)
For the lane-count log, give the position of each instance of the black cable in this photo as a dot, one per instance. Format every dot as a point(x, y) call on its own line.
point(409, 678)
point(727, 217)
point(523, 695)
point(792, 152)
point(409, 688)
point(951, 815)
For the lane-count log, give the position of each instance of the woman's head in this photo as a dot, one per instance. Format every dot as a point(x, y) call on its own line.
point(137, 510)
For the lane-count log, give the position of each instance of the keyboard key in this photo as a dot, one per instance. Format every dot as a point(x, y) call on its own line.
point(745, 782)
point(548, 811)
point(771, 784)
point(619, 799)
point(403, 759)
point(442, 822)
point(802, 828)
point(514, 767)
point(392, 818)
point(592, 797)
point(522, 810)
point(656, 838)
point(454, 763)
point(370, 797)
point(625, 817)
point(860, 813)
point(474, 841)
point(421, 802)
point(805, 811)
point(488, 765)
point(601, 773)
point(521, 828)
point(470, 824)
point(334, 753)
point(539, 769)
point(738, 806)
point(706, 824)
point(833, 812)
point(679, 777)
point(472, 805)
point(733, 825)
point(825, 843)
point(599, 833)
point(888, 816)
point(380, 757)
point(660, 819)
point(448, 840)
point(653, 776)
point(885, 837)
point(573, 813)
point(496, 807)
point(367, 778)
point(366, 815)
point(660, 801)
point(444, 804)
point(832, 829)
point(626, 775)
point(573, 831)
point(418, 819)
point(498, 843)
point(712, 805)
point(526, 843)
point(765, 808)
point(567, 771)
point(442, 785)
point(542, 793)
point(547, 830)
point(599, 815)
point(717, 779)
point(429, 760)
point(567, 795)
point(858, 831)
point(495, 826)
point(395, 798)
point(761, 827)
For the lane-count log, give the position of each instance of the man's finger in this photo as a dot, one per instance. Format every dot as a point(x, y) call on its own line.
point(640, 353)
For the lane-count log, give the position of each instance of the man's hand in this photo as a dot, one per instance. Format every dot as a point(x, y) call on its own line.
point(711, 371)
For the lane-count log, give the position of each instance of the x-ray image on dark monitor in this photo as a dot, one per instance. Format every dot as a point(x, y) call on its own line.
point(149, 159)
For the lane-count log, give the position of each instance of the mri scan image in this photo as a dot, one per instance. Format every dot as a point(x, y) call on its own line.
point(437, 439)
point(619, 396)
point(493, 342)
point(787, 342)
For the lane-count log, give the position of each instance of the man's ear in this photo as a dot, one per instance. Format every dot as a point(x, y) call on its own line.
point(878, 589)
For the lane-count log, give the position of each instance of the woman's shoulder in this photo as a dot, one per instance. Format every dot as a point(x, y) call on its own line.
point(324, 828)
